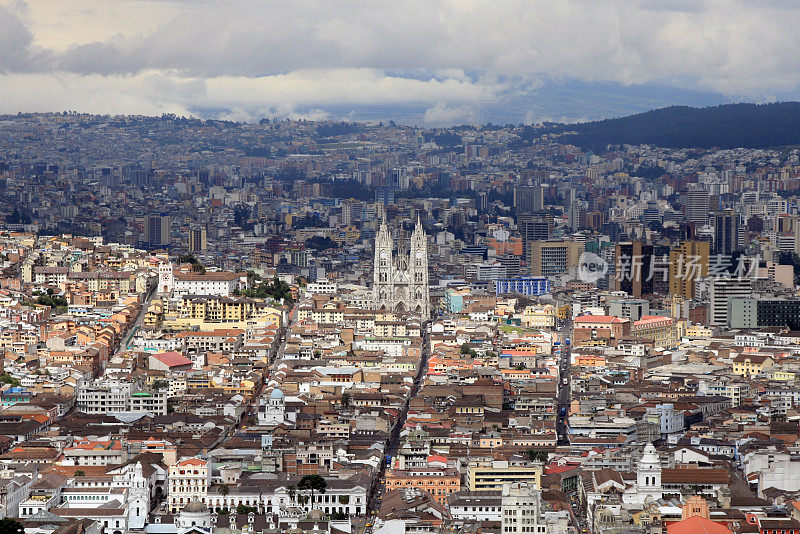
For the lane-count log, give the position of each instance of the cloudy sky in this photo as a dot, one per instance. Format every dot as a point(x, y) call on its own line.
point(428, 62)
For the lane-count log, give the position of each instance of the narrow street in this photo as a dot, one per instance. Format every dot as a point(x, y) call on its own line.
point(563, 396)
point(128, 336)
point(376, 491)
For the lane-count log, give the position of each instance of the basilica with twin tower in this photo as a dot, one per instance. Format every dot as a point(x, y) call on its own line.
point(400, 277)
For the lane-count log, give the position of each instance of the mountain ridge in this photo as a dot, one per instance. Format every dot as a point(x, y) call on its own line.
point(742, 125)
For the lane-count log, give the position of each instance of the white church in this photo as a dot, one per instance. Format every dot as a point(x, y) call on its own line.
point(400, 277)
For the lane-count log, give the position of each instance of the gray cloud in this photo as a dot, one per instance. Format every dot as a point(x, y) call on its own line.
point(446, 55)
point(15, 41)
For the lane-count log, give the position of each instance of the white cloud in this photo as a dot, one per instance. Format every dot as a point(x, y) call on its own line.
point(155, 92)
point(443, 115)
point(253, 55)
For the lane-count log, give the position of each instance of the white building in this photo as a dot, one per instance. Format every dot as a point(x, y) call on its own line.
point(113, 396)
point(773, 469)
point(669, 420)
point(322, 286)
point(273, 411)
point(188, 481)
point(521, 509)
point(221, 284)
point(476, 505)
point(721, 290)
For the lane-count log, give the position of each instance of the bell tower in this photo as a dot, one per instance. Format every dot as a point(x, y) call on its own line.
point(382, 270)
point(418, 272)
point(400, 281)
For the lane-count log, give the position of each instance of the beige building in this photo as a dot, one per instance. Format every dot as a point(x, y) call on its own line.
point(490, 476)
point(188, 481)
point(539, 316)
point(551, 257)
point(662, 330)
point(687, 263)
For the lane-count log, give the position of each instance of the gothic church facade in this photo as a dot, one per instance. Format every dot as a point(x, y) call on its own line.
point(400, 279)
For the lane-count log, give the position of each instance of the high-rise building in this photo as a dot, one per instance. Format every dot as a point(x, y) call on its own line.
point(521, 508)
point(726, 233)
point(534, 228)
point(198, 240)
point(751, 312)
point(697, 202)
point(156, 230)
point(558, 256)
point(528, 199)
point(347, 213)
point(634, 268)
point(720, 291)
point(576, 217)
point(687, 263)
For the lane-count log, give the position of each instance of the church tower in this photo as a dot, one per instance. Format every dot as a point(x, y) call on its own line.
point(138, 498)
point(382, 270)
point(648, 473)
point(418, 272)
point(400, 281)
point(166, 278)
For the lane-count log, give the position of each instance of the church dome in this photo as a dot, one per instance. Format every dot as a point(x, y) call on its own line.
point(316, 515)
point(276, 394)
point(195, 507)
point(650, 456)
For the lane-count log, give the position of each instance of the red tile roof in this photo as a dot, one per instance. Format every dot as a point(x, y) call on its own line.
point(598, 319)
point(173, 359)
point(697, 525)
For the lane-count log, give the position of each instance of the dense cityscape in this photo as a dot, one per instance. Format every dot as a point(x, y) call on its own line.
point(334, 327)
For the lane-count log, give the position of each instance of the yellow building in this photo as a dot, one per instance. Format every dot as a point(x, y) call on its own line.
point(491, 475)
point(154, 314)
point(687, 263)
point(751, 364)
point(783, 375)
point(698, 331)
point(208, 312)
point(662, 330)
point(539, 316)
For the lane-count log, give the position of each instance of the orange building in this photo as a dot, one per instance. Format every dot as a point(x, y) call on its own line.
point(440, 364)
point(590, 360)
point(439, 482)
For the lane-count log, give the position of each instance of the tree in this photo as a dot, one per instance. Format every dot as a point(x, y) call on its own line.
point(346, 400)
point(10, 526)
point(198, 268)
point(187, 258)
point(465, 348)
point(241, 215)
point(160, 384)
point(80, 473)
point(243, 509)
point(6, 378)
point(755, 224)
point(312, 483)
point(223, 489)
point(537, 456)
point(291, 490)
